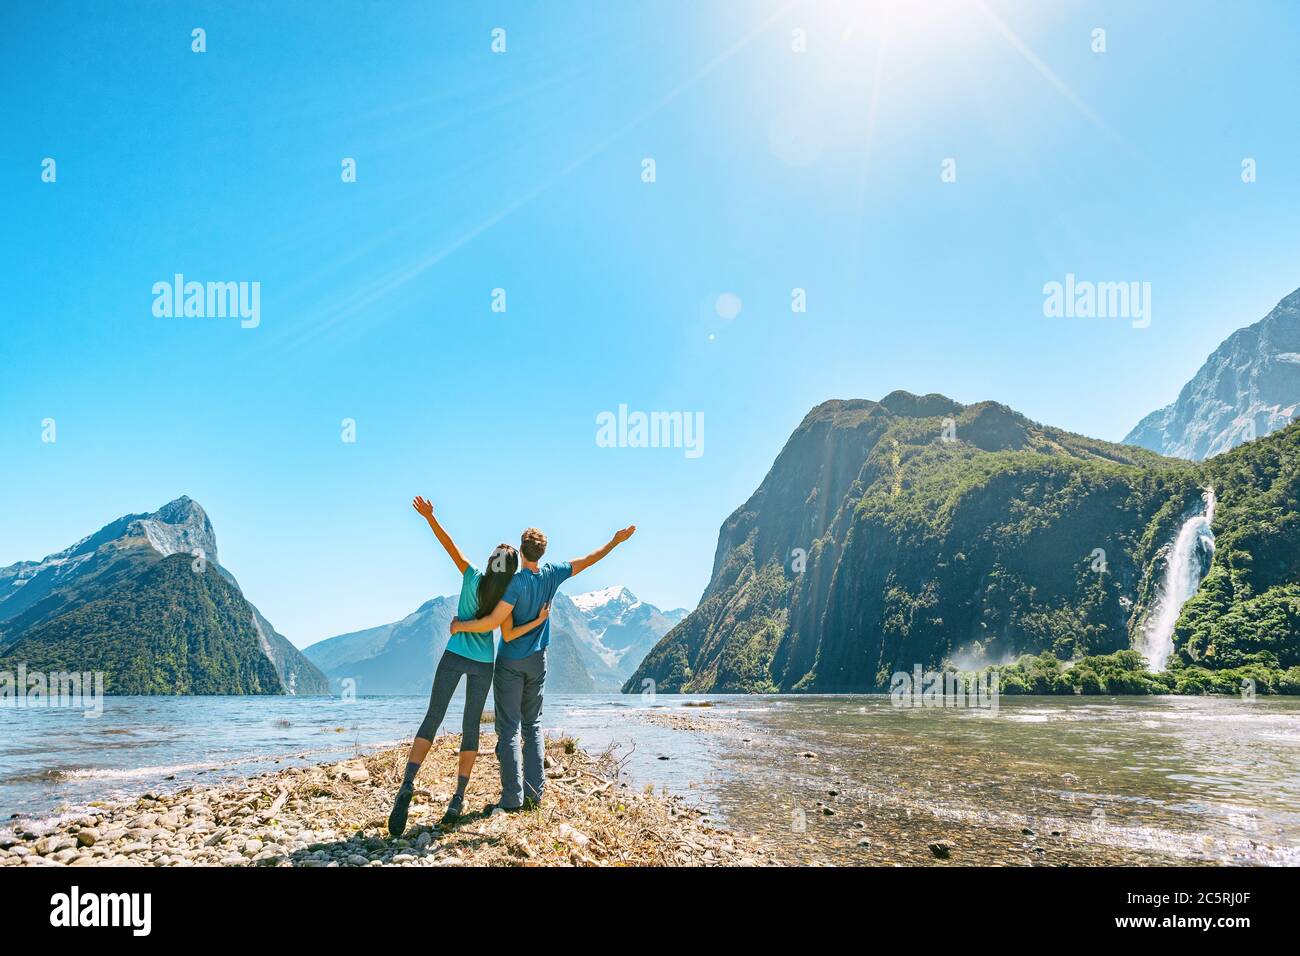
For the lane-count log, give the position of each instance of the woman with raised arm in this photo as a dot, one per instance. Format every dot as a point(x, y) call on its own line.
point(467, 655)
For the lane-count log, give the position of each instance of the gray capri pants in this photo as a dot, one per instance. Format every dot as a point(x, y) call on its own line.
point(478, 681)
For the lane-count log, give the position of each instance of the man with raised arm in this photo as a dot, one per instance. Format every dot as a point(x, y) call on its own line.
point(521, 663)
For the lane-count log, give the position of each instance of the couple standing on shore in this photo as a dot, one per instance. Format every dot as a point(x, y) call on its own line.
point(517, 600)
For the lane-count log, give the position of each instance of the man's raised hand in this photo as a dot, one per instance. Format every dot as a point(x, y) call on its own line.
point(578, 565)
point(423, 506)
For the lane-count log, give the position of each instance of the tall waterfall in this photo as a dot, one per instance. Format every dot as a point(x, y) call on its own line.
point(1189, 559)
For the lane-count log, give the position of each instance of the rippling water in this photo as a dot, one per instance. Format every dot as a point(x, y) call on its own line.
point(54, 759)
point(1095, 780)
point(1044, 780)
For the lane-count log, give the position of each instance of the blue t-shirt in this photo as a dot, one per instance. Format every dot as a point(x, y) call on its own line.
point(477, 647)
point(528, 591)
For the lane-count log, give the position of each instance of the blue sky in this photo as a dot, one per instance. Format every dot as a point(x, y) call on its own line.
point(523, 171)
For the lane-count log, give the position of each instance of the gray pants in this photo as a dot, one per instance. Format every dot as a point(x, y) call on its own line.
point(478, 678)
point(517, 700)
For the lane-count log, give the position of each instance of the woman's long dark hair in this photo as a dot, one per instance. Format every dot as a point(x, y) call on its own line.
point(501, 567)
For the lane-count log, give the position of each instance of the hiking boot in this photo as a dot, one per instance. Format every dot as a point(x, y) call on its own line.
point(397, 819)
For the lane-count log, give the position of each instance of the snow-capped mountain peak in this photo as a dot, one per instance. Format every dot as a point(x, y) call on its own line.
point(593, 601)
point(597, 641)
point(178, 526)
point(112, 558)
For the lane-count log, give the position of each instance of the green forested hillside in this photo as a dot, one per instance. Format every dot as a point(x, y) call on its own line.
point(1248, 607)
point(916, 530)
point(153, 625)
point(100, 603)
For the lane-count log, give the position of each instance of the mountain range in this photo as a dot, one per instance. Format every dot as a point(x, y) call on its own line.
point(916, 530)
point(913, 530)
point(597, 639)
point(146, 600)
point(1248, 388)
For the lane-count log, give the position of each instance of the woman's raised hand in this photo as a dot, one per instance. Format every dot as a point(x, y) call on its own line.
point(423, 506)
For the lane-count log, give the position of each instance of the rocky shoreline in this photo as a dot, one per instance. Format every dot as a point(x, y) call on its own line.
point(336, 815)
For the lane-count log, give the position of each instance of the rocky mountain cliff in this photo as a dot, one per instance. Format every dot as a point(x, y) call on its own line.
point(915, 530)
point(117, 601)
point(1249, 387)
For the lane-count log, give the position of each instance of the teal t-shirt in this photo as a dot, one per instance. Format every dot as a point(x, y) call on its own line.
point(477, 647)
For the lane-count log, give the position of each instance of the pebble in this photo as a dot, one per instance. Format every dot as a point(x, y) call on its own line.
point(326, 816)
point(53, 844)
point(573, 835)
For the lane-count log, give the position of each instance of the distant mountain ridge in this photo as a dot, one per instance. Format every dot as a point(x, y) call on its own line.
point(146, 600)
point(1249, 387)
point(400, 658)
point(597, 639)
point(621, 628)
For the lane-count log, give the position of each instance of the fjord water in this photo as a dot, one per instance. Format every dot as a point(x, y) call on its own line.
point(54, 759)
point(1091, 779)
point(1063, 780)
